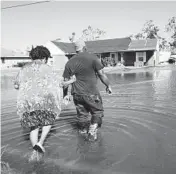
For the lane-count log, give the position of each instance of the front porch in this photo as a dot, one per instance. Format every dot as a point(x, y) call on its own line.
point(128, 58)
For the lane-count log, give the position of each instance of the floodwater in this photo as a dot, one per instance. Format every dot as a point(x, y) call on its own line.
point(138, 135)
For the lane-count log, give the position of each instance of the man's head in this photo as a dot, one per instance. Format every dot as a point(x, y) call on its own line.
point(80, 46)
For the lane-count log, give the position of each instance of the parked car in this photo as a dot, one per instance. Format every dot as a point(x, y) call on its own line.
point(172, 59)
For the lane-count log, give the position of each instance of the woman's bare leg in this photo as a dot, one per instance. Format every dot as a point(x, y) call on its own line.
point(34, 136)
point(45, 131)
point(34, 140)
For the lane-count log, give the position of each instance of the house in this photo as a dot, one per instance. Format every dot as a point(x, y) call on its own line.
point(59, 53)
point(10, 58)
point(111, 52)
point(62, 51)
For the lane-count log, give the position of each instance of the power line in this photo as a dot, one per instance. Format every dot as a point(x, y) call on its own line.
point(22, 5)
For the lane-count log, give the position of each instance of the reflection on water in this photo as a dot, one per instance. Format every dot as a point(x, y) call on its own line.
point(6, 82)
point(138, 134)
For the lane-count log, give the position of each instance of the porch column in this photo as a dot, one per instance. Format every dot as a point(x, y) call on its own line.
point(116, 58)
point(136, 62)
point(100, 58)
point(136, 56)
point(122, 59)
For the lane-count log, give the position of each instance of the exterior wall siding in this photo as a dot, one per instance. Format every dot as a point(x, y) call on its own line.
point(59, 62)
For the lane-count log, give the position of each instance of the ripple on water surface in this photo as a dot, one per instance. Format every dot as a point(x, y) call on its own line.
point(138, 134)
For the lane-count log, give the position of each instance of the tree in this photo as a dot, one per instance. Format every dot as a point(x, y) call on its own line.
point(72, 38)
point(171, 29)
point(163, 44)
point(137, 36)
point(58, 39)
point(150, 31)
point(90, 34)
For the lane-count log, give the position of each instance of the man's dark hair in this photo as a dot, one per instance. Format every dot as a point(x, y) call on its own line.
point(39, 52)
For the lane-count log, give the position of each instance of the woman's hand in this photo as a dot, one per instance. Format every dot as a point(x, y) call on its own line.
point(67, 99)
point(67, 83)
point(16, 86)
point(73, 78)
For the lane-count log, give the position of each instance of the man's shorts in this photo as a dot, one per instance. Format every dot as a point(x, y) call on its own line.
point(86, 104)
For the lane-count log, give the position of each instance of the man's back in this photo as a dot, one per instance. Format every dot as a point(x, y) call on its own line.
point(84, 66)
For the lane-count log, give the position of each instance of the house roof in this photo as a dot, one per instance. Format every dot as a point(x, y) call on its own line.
point(98, 46)
point(67, 48)
point(111, 45)
point(147, 44)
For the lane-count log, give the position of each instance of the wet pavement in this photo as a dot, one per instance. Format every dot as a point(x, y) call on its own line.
point(138, 135)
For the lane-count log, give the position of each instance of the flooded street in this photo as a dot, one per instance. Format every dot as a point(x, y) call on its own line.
point(138, 135)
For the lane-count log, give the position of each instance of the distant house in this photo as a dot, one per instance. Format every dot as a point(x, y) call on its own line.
point(111, 51)
point(59, 55)
point(11, 58)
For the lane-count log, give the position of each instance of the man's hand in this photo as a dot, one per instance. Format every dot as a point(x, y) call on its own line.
point(108, 90)
point(68, 82)
point(104, 80)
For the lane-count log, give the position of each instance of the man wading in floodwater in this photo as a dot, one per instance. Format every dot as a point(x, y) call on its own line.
point(86, 96)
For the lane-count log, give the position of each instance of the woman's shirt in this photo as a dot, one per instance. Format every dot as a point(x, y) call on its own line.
point(39, 89)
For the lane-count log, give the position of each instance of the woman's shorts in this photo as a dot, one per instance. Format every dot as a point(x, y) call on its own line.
point(37, 118)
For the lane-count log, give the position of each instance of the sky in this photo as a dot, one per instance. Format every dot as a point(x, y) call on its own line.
point(37, 24)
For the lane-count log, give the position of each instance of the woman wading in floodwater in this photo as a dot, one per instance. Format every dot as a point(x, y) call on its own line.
point(39, 97)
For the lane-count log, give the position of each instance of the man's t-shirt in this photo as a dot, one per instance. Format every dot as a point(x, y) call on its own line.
point(84, 66)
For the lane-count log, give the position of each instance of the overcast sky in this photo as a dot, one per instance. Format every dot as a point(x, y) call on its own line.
point(37, 24)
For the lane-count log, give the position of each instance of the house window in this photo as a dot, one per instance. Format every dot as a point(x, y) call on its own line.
point(141, 56)
point(141, 59)
point(98, 55)
point(113, 56)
